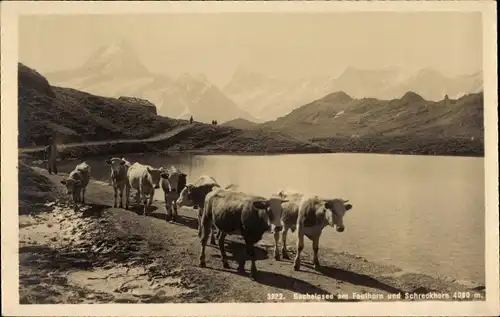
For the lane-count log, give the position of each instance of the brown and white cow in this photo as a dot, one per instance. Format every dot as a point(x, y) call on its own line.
point(237, 213)
point(76, 183)
point(172, 186)
point(288, 220)
point(314, 214)
point(145, 179)
point(119, 179)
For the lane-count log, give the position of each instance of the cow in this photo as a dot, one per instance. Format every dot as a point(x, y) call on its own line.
point(145, 179)
point(119, 179)
point(314, 214)
point(193, 195)
point(237, 213)
point(288, 220)
point(76, 183)
point(172, 186)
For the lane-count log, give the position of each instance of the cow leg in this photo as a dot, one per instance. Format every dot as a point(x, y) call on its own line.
point(251, 252)
point(121, 197)
point(83, 194)
point(315, 245)
point(284, 252)
point(49, 166)
point(300, 247)
point(213, 231)
point(206, 223)
point(55, 167)
point(75, 201)
point(200, 213)
point(167, 208)
point(222, 237)
point(174, 207)
point(115, 191)
point(276, 248)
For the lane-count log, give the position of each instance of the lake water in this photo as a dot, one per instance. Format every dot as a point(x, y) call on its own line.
point(421, 213)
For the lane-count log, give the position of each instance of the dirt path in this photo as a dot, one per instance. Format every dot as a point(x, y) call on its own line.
point(102, 254)
point(162, 136)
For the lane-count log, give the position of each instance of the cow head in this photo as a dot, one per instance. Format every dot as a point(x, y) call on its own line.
point(186, 196)
point(71, 185)
point(117, 164)
point(273, 211)
point(176, 181)
point(156, 175)
point(336, 209)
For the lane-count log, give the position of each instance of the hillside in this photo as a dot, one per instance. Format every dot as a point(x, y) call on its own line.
point(268, 98)
point(240, 124)
point(340, 115)
point(76, 116)
point(116, 70)
point(409, 124)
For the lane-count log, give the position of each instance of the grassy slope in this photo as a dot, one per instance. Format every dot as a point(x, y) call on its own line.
point(78, 117)
point(240, 124)
point(409, 125)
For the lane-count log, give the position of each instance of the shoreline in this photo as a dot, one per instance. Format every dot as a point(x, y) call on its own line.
point(132, 245)
point(95, 151)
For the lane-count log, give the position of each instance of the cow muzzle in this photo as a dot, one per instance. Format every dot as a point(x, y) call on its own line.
point(340, 229)
point(277, 229)
point(157, 186)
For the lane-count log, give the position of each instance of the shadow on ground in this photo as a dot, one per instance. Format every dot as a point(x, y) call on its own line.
point(354, 278)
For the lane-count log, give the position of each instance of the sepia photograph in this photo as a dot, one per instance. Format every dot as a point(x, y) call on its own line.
point(233, 153)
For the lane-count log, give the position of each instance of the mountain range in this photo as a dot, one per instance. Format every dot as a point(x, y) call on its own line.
point(268, 98)
point(338, 115)
point(116, 70)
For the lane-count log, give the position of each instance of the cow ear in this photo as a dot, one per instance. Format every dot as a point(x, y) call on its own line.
point(108, 162)
point(63, 182)
point(348, 207)
point(261, 204)
point(122, 162)
point(148, 170)
point(164, 175)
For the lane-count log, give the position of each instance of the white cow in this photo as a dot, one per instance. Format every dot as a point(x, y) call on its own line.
point(119, 179)
point(145, 179)
point(314, 214)
point(76, 183)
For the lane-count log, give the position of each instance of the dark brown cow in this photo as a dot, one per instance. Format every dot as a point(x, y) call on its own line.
point(236, 213)
point(193, 195)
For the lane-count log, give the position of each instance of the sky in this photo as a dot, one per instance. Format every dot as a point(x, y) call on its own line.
point(285, 45)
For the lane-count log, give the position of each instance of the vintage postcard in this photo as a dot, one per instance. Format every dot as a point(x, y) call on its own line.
point(281, 158)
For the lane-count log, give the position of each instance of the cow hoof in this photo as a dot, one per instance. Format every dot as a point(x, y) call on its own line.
point(241, 270)
point(277, 257)
point(296, 267)
point(285, 256)
point(317, 267)
point(203, 264)
point(121, 206)
point(226, 265)
point(212, 241)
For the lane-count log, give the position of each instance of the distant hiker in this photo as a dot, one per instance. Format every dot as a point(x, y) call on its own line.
point(215, 122)
point(51, 155)
point(191, 120)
